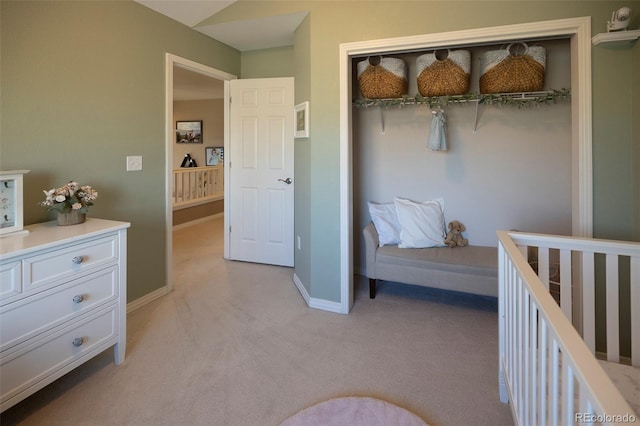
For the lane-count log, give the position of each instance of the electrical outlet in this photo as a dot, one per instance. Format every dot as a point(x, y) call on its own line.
point(134, 163)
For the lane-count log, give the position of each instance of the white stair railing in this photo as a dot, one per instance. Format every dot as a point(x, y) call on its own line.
point(197, 185)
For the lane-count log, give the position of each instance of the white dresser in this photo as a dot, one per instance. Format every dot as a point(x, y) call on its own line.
point(63, 292)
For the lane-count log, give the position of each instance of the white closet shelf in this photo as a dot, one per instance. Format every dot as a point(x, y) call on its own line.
point(522, 99)
point(516, 99)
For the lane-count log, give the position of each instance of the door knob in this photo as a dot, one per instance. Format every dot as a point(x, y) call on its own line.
point(287, 181)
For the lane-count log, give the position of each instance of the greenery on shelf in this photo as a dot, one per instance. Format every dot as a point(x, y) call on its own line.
point(524, 99)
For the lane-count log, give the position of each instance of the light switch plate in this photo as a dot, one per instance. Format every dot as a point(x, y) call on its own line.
point(134, 163)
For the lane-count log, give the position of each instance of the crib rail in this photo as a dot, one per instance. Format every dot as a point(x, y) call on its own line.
point(548, 373)
point(197, 185)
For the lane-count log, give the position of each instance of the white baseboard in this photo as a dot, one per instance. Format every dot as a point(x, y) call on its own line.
point(147, 298)
point(197, 221)
point(312, 302)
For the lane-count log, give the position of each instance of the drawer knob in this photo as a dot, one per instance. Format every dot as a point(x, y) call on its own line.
point(78, 298)
point(77, 260)
point(78, 341)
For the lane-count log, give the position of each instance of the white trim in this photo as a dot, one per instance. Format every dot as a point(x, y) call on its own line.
point(147, 298)
point(170, 61)
point(312, 302)
point(579, 29)
point(197, 203)
point(226, 170)
point(197, 221)
point(303, 291)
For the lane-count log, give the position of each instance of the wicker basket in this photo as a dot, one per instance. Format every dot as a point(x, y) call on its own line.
point(441, 76)
point(382, 77)
point(508, 70)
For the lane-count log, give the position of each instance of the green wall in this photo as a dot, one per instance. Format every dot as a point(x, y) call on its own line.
point(83, 86)
point(333, 22)
point(268, 63)
point(302, 213)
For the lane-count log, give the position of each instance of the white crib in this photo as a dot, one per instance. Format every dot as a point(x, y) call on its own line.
point(197, 185)
point(548, 369)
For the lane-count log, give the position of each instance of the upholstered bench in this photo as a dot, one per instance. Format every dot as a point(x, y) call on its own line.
point(469, 269)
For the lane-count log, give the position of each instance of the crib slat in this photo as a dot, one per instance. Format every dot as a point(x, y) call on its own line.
point(544, 376)
point(511, 326)
point(543, 265)
point(519, 361)
point(533, 361)
point(565, 284)
point(635, 311)
point(567, 394)
point(526, 351)
point(554, 381)
point(613, 325)
point(589, 300)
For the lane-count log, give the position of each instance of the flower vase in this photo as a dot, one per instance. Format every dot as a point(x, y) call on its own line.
point(73, 217)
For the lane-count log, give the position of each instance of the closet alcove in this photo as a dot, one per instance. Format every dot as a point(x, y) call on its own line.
point(506, 167)
point(578, 33)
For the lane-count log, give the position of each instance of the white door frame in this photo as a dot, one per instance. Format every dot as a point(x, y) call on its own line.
point(170, 61)
point(578, 29)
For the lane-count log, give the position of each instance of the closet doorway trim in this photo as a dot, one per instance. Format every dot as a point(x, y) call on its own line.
point(579, 32)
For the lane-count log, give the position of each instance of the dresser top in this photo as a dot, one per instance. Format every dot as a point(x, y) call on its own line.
point(49, 234)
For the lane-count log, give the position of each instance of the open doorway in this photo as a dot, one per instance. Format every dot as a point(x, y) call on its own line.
point(195, 95)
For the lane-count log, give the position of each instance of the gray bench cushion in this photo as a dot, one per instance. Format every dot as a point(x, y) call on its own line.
point(475, 260)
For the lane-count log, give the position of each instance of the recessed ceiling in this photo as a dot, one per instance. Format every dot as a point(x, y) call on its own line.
point(188, 12)
point(245, 35)
point(255, 34)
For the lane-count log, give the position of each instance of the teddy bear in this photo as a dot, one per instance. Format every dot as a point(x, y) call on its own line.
point(454, 236)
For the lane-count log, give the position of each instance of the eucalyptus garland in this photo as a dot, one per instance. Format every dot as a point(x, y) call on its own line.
point(520, 100)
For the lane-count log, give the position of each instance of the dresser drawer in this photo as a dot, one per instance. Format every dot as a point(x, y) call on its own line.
point(31, 316)
point(27, 367)
point(44, 268)
point(10, 279)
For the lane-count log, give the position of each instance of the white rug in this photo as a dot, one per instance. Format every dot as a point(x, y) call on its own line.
point(354, 411)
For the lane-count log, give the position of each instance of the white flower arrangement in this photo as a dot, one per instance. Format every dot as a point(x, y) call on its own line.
point(69, 197)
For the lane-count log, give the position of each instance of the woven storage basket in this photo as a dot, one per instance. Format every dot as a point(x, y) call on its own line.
point(446, 76)
point(507, 70)
point(382, 77)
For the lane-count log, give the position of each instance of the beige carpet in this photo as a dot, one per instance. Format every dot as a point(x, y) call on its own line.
point(235, 344)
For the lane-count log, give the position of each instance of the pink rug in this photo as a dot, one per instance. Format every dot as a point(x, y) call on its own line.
point(354, 411)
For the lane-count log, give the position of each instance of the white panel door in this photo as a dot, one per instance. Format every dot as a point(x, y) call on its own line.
point(261, 171)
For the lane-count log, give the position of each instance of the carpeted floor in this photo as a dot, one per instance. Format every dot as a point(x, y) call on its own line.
point(235, 344)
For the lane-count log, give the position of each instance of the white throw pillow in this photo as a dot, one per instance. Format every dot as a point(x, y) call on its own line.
point(421, 224)
point(385, 219)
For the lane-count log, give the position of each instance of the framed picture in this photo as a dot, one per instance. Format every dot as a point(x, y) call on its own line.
point(189, 131)
point(11, 202)
point(301, 120)
point(214, 155)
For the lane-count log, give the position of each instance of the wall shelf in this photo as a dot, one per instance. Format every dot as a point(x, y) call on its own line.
point(523, 99)
point(616, 38)
point(516, 99)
